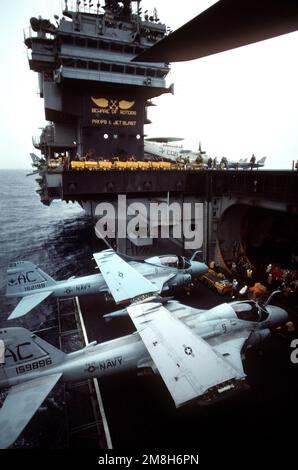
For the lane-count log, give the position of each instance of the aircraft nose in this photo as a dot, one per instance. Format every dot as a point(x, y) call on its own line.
point(198, 269)
point(278, 315)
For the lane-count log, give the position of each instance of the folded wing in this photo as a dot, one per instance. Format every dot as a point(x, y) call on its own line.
point(28, 303)
point(189, 366)
point(230, 348)
point(21, 403)
point(123, 280)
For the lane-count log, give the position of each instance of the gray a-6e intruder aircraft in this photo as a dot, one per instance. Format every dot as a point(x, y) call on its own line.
point(25, 279)
point(196, 352)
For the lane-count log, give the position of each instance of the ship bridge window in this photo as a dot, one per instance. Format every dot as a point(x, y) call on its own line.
point(105, 67)
point(68, 62)
point(92, 43)
point(130, 70)
point(141, 71)
point(117, 68)
point(129, 49)
point(67, 39)
point(150, 73)
point(93, 65)
point(161, 74)
point(81, 64)
point(116, 47)
point(104, 45)
point(81, 42)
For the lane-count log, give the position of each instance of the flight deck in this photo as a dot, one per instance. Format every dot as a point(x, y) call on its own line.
point(141, 415)
point(71, 185)
point(87, 426)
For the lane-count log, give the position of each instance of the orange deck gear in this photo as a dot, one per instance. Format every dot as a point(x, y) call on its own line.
point(258, 290)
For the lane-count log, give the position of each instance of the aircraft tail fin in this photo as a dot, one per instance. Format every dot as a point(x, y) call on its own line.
point(25, 356)
point(25, 352)
point(262, 161)
point(24, 277)
point(35, 159)
point(202, 152)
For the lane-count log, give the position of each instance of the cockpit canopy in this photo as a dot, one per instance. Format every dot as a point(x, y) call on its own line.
point(170, 261)
point(173, 261)
point(250, 311)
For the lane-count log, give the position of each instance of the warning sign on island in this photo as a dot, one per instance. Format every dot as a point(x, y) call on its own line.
point(113, 112)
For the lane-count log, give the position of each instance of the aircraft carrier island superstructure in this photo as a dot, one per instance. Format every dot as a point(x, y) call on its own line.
point(95, 98)
point(96, 101)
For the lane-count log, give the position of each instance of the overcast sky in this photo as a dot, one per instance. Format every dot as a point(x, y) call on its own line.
point(236, 103)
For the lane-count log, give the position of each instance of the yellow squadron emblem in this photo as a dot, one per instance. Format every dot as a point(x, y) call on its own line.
point(113, 105)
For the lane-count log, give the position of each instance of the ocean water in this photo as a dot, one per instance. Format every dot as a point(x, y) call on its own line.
point(59, 238)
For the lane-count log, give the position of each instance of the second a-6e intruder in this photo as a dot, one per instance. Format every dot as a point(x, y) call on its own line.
point(25, 279)
point(197, 353)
